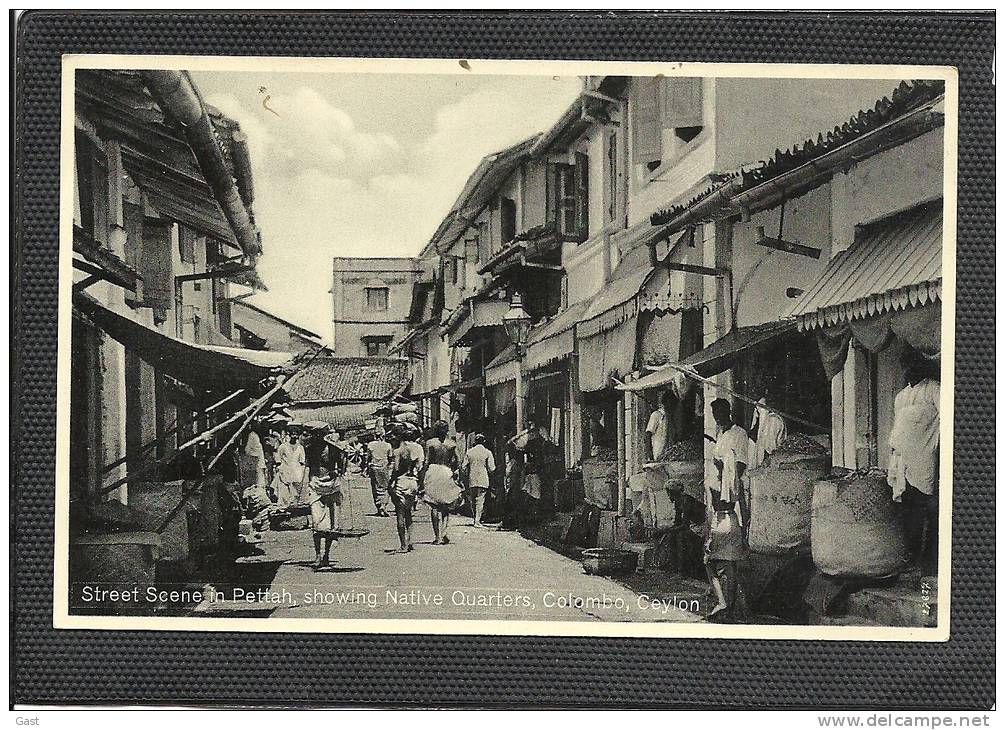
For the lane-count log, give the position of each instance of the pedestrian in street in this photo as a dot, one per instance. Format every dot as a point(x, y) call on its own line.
point(290, 471)
point(727, 511)
point(342, 455)
point(404, 487)
point(379, 458)
point(324, 495)
point(439, 480)
point(479, 464)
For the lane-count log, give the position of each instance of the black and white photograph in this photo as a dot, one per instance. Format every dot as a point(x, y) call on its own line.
point(462, 346)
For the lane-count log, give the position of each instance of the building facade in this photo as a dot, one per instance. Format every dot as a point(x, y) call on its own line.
point(258, 329)
point(371, 299)
point(163, 229)
point(631, 235)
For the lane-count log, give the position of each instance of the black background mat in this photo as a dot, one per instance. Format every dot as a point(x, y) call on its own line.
point(106, 667)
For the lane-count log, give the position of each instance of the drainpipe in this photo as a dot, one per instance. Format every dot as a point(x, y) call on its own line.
point(175, 92)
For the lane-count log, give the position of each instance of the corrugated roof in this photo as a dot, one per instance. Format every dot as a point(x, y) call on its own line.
point(892, 265)
point(331, 379)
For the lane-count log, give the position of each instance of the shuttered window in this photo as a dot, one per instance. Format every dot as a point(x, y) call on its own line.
point(156, 268)
point(682, 105)
point(507, 219)
point(582, 175)
point(647, 144)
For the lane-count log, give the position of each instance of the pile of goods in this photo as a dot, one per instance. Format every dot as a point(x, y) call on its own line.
point(405, 413)
point(781, 496)
point(856, 525)
point(801, 444)
point(690, 450)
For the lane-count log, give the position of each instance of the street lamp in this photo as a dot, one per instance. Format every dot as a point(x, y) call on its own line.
point(516, 322)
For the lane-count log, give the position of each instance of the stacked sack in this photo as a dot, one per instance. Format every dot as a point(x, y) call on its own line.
point(781, 496)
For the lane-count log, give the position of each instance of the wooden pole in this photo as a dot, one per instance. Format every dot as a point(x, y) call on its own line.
point(175, 427)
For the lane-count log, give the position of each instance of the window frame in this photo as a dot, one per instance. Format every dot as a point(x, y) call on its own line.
point(368, 306)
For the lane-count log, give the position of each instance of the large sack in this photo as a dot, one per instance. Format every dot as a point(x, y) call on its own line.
point(404, 408)
point(781, 502)
point(439, 487)
point(856, 527)
point(407, 418)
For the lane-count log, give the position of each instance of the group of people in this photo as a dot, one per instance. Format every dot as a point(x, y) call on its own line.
point(404, 469)
point(727, 501)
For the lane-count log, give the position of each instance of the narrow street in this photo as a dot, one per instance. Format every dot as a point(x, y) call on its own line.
point(482, 574)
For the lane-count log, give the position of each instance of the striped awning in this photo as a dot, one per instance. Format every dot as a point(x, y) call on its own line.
point(892, 266)
point(504, 367)
point(554, 339)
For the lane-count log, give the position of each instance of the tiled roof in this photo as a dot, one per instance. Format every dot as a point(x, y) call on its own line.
point(905, 98)
point(332, 379)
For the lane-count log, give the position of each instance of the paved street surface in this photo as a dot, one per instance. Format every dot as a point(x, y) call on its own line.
point(482, 574)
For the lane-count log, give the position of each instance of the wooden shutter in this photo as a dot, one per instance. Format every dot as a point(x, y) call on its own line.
point(682, 106)
point(507, 224)
point(582, 182)
point(132, 216)
point(551, 193)
point(156, 269)
point(647, 132)
point(186, 244)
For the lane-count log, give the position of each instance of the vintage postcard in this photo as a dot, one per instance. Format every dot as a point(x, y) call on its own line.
point(506, 347)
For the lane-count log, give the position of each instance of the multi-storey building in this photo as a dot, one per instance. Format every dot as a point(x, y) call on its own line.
point(566, 220)
point(371, 298)
point(162, 228)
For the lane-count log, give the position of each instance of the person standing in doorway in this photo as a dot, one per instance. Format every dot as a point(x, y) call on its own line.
point(379, 458)
point(726, 508)
point(913, 469)
point(439, 480)
point(659, 430)
point(479, 464)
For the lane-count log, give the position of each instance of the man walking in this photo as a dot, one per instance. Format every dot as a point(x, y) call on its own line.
point(379, 456)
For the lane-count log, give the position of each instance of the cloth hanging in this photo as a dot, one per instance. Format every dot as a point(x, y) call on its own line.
point(919, 327)
point(609, 353)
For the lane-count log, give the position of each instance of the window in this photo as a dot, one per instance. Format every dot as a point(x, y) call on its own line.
point(612, 188)
point(376, 298)
point(507, 219)
point(663, 103)
point(376, 346)
point(568, 198)
point(484, 244)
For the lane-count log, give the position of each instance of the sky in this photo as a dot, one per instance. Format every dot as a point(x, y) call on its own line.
point(365, 164)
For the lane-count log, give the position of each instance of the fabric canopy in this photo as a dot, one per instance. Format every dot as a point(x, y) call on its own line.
point(719, 356)
point(608, 354)
point(920, 327)
point(338, 415)
point(554, 339)
point(206, 367)
point(504, 367)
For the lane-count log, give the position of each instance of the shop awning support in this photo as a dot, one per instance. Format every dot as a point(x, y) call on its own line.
point(689, 373)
